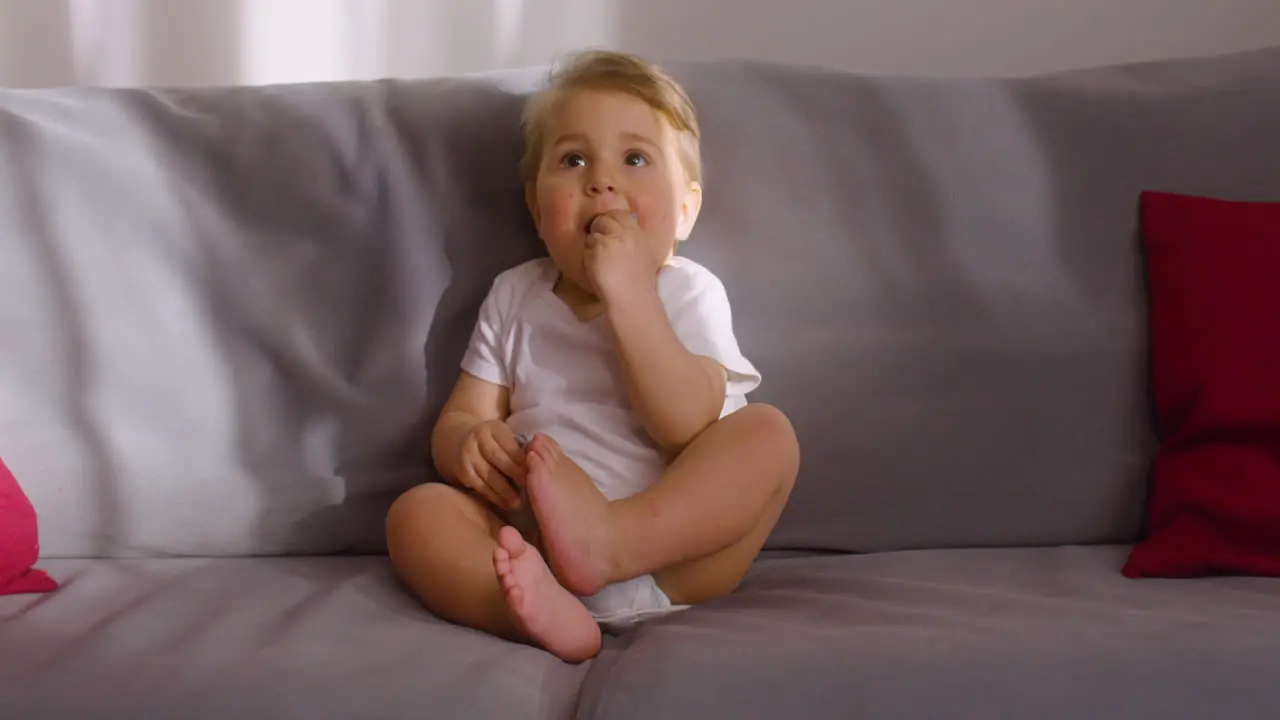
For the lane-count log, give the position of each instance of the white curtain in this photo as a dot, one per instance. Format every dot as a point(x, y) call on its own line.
point(214, 42)
point(203, 42)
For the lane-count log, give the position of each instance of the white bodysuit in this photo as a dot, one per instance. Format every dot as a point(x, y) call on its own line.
point(565, 380)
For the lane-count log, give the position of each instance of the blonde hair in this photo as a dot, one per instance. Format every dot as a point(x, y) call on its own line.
point(618, 72)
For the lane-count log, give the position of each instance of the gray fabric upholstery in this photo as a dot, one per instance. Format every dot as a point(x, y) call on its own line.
point(258, 638)
point(941, 283)
point(986, 633)
point(1044, 633)
point(226, 316)
point(228, 313)
point(216, 304)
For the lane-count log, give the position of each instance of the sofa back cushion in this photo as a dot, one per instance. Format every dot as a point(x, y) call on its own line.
point(229, 315)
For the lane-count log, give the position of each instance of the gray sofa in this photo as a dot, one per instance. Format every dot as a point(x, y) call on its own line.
point(228, 316)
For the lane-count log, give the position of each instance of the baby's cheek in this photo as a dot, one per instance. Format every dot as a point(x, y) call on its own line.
point(564, 210)
point(659, 214)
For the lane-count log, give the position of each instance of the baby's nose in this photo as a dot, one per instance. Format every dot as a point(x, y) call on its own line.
point(601, 180)
point(602, 186)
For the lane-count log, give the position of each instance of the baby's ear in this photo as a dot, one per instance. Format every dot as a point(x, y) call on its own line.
point(690, 206)
point(531, 199)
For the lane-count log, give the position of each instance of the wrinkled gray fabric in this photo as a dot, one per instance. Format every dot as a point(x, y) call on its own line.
point(215, 304)
point(1045, 633)
point(227, 314)
point(1054, 633)
point(258, 638)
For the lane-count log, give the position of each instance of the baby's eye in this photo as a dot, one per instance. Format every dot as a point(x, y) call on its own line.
point(573, 160)
point(635, 159)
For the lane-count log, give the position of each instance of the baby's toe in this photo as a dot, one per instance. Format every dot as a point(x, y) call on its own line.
point(510, 541)
point(553, 447)
point(548, 458)
point(508, 582)
point(545, 446)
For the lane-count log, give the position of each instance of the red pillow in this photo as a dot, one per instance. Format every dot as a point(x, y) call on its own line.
point(1214, 279)
point(19, 542)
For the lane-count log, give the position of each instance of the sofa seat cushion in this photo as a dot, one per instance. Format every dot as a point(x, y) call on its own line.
point(258, 638)
point(986, 633)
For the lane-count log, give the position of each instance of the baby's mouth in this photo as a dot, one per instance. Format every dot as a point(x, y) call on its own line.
point(586, 229)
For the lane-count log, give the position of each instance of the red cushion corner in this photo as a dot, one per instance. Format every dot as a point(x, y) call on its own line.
point(19, 541)
point(1213, 269)
point(31, 581)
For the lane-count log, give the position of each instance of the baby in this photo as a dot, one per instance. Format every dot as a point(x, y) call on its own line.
point(647, 483)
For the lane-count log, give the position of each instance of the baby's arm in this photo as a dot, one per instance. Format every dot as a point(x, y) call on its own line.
point(676, 393)
point(472, 403)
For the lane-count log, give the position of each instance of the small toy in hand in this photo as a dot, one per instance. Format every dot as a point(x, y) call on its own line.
point(523, 519)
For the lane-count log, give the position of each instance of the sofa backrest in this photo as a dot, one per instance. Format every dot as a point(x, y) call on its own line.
point(228, 316)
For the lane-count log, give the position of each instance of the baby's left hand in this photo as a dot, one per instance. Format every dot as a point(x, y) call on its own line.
point(619, 263)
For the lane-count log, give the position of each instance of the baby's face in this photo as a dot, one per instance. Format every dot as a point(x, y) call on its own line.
point(609, 151)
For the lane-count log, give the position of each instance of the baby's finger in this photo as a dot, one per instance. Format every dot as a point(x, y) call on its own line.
point(504, 453)
point(624, 218)
point(510, 470)
point(472, 481)
point(507, 440)
point(606, 224)
point(501, 486)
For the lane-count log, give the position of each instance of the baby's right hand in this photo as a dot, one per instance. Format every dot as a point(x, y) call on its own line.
point(490, 459)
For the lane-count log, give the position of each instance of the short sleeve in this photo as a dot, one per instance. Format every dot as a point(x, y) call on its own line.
point(699, 310)
point(485, 357)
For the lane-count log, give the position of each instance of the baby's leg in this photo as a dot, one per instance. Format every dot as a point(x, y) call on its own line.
point(454, 553)
point(697, 529)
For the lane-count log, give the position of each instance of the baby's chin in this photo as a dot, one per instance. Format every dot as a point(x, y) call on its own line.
point(575, 280)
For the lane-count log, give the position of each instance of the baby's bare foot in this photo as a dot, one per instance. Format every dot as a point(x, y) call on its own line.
point(571, 514)
point(547, 613)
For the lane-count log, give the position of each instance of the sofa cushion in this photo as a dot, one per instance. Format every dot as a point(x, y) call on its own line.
point(19, 541)
point(258, 638)
point(240, 307)
point(986, 633)
point(941, 282)
point(1214, 276)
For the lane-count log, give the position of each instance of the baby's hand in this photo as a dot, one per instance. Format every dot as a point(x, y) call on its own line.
point(490, 459)
point(619, 262)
